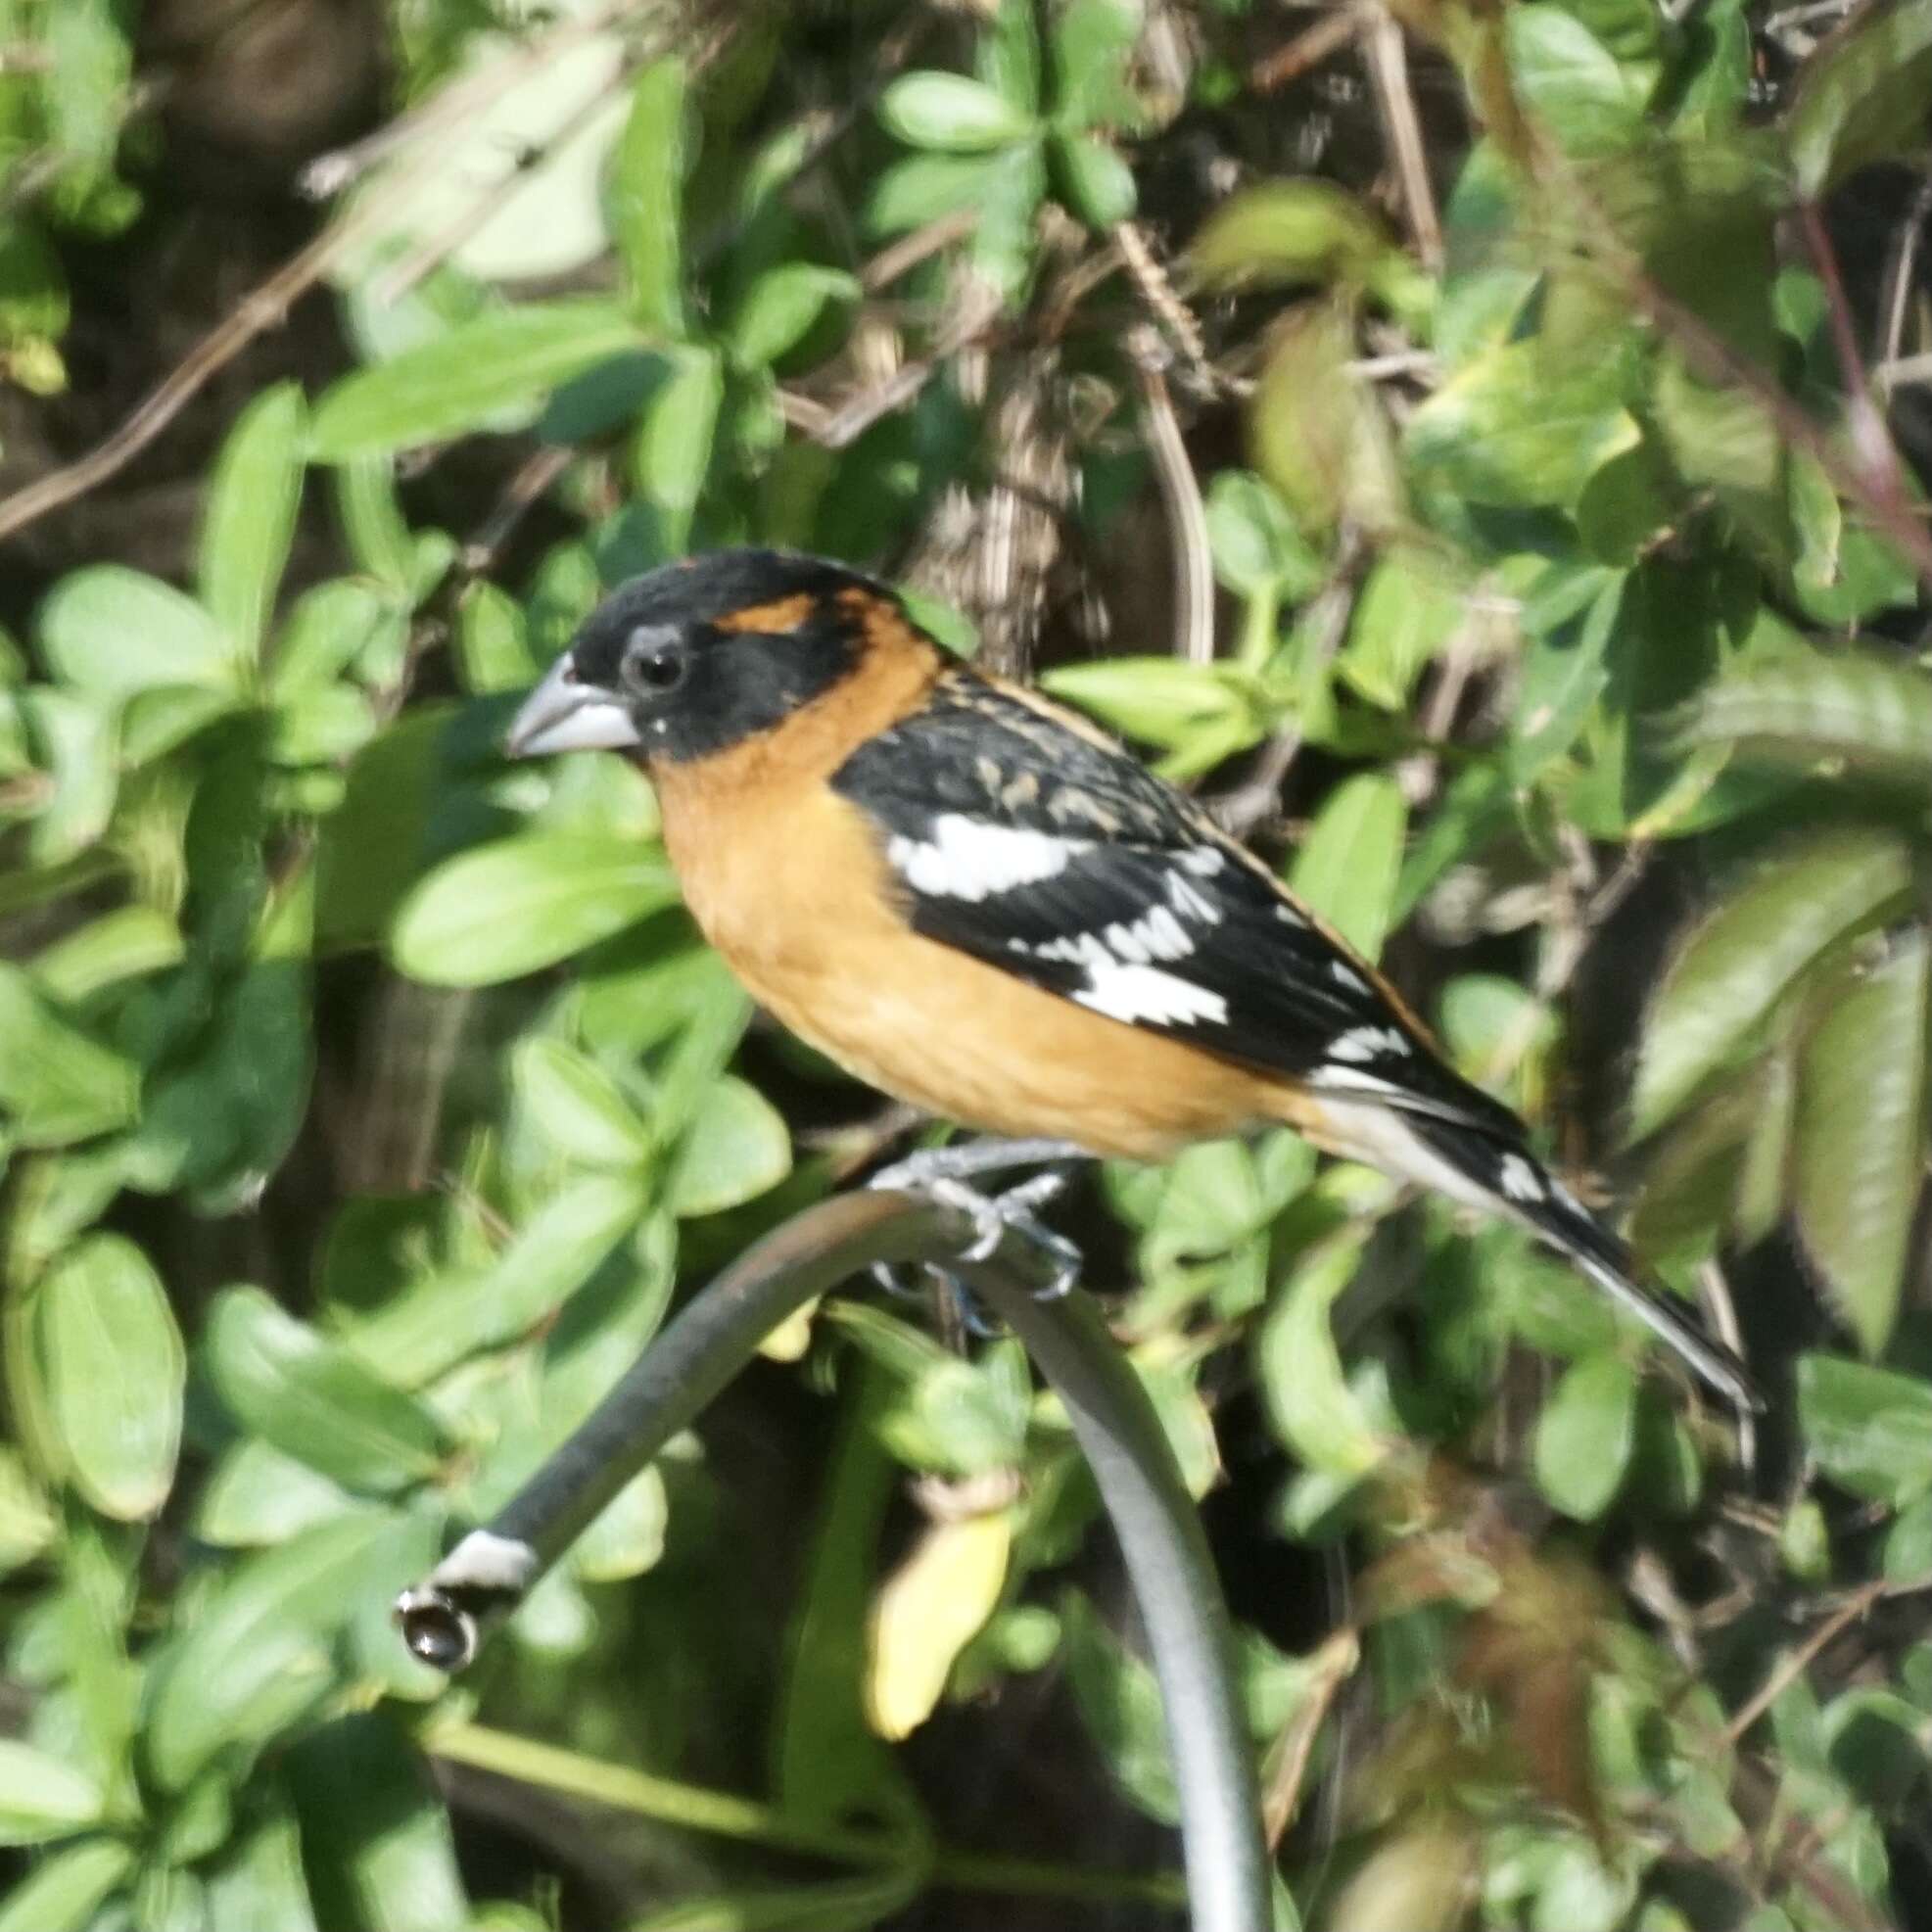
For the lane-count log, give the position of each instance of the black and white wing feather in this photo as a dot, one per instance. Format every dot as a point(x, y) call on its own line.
point(1016, 837)
point(1019, 835)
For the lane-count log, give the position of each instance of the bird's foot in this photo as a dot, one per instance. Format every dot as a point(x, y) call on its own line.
point(941, 1174)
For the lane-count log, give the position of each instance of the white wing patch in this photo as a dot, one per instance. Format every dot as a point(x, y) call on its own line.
point(1361, 1045)
point(968, 858)
point(1519, 1179)
point(1145, 993)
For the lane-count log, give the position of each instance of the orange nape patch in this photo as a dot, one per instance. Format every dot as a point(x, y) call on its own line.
point(773, 619)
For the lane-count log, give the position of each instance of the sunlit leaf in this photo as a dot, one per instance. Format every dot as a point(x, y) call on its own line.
point(927, 1612)
point(1870, 1428)
point(1861, 96)
point(315, 1400)
point(952, 114)
point(647, 184)
point(737, 1147)
point(249, 522)
point(504, 361)
point(1869, 714)
point(42, 1798)
point(1734, 968)
point(115, 1374)
point(1858, 1157)
point(509, 907)
point(114, 631)
point(1347, 863)
point(1585, 1434)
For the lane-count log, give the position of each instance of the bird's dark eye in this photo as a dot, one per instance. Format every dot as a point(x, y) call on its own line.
point(654, 663)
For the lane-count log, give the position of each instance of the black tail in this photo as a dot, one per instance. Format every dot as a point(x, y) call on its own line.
point(1513, 1181)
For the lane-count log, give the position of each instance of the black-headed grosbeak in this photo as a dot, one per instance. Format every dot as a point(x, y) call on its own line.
point(978, 902)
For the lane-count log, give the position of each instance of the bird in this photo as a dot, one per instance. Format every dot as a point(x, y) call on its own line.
point(976, 901)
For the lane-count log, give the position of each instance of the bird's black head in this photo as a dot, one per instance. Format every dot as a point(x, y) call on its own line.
point(700, 654)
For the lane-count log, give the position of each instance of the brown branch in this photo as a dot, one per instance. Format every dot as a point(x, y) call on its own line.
point(1309, 49)
point(1401, 126)
point(1180, 493)
point(1796, 1663)
point(1870, 436)
point(266, 306)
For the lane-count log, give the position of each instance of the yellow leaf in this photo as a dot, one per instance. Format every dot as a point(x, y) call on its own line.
point(931, 1609)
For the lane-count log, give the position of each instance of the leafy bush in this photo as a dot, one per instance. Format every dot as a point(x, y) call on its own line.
point(1566, 570)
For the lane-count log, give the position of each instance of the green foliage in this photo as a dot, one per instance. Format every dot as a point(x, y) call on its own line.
point(332, 1205)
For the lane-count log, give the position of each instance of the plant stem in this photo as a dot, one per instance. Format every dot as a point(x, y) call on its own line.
point(725, 1814)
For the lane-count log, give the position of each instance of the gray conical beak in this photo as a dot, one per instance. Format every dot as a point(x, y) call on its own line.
point(565, 714)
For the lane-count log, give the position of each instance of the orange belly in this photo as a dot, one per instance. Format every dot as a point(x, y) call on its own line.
point(786, 879)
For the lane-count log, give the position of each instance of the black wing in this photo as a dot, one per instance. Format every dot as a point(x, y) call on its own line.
point(1023, 837)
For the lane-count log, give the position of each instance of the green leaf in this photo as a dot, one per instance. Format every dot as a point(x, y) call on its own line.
point(1287, 232)
point(1347, 865)
point(626, 1538)
point(1094, 181)
point(1737, 965)
point(448, 1317)
point(1861, 97)
point(1516, 429)
point(492, 643)
point(41, 1797)
point(926, 188)
point(1585, 1434)
point(375, 1836)
point(736, 1148)
point(260, 1881)
point(1120, 1703)
point(1161, 700)
point(1408, 610)
point(115, 631)
point(781, 305)
point(675, 436)
point(249, 522)
point(128, 944)
point(952, 114)
point(115, 1375)
point(1258, 549)
point(1869, 714)
point(827, 1761)
point(1564, 674)
point(1317, 431)
point(1588, 99)
point(256, 1496)
point(505, 360)
point(330, 627)
point(578, 1107)
point(315, 1400)
point(59, 1085)
point(646, 188)
point(65, 1893)
point(1091, 42)
point(1313, 1407)
point(1860, 1153)
point(1870, 1429)
point(374, 526)
point(259, 1653)
point(524, 903)
point(26, 1518)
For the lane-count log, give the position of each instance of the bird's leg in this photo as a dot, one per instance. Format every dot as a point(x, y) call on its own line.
point(942, 1174)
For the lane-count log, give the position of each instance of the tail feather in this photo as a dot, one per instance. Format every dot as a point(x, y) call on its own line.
point(1515, 1181)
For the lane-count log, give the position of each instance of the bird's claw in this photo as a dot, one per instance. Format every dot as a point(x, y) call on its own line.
point(939, 1174)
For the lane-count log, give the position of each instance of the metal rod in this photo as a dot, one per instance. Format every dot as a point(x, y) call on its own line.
point(713, 1336)
point(1172, 1572)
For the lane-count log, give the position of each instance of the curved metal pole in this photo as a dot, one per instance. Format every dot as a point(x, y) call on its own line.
point(1172, 1572)
point(714, 1334)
